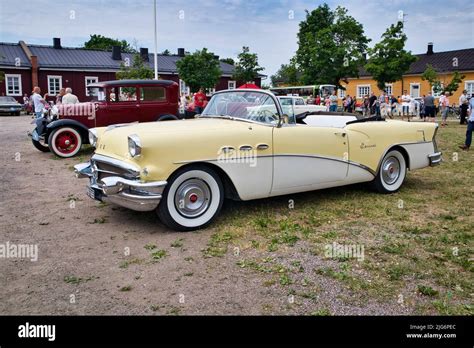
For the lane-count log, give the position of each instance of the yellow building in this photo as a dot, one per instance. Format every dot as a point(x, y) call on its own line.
point(445, 63)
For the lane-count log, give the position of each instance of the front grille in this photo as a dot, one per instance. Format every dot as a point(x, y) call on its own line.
point(104, 169)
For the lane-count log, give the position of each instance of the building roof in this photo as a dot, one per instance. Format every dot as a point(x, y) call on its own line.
point(11, 54)
point(132, 82)
point(441, 62)
point(80, 58)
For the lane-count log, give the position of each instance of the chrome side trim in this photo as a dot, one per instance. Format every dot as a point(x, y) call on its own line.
point(435, 159)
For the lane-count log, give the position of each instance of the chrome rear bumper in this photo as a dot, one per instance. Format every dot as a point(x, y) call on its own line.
point(129, 193)
point(435, 159)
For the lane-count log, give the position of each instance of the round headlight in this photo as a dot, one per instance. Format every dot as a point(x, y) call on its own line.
point(134, 145)
point(93, 137)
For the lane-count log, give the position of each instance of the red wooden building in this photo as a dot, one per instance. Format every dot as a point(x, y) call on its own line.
point(54, 67)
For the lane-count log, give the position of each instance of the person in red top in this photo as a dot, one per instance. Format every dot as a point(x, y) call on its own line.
point(199, 101)
point(317, 100)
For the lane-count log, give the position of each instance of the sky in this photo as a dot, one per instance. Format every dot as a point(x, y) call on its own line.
point(268, 27)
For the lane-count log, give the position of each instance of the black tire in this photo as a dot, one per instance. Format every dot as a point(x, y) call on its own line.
point(392, 173)
point(17, 113)
point(167, 117)
point(192, 199)
point(40, 146)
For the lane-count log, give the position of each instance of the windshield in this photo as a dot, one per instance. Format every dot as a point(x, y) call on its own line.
point(96, 93)
point(246, 105)
point(7, 100)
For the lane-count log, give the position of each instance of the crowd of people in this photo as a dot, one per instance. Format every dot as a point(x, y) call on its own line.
point(192, 105)
point(36, 103)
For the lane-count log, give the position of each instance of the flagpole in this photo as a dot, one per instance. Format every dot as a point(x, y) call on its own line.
point(156, 45)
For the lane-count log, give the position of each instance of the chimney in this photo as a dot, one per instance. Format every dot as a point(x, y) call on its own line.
point(144, 54)
point(181, 52)
point(116, 53)
point(57, 42)
point(430, 48)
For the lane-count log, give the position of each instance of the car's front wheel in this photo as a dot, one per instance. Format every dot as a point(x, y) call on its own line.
point(392, 172)
point(65, 142)
point(192, 199)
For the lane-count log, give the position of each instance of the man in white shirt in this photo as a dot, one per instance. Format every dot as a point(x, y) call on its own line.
point(38, 102)
point(406, 100)
point(463, 106)
point(69, 98)
point(470, 126)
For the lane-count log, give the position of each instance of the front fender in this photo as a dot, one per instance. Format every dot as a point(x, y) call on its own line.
point(83, 130)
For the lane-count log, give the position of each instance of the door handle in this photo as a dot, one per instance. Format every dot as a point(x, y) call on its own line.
point(246, 148)
point(262, 146)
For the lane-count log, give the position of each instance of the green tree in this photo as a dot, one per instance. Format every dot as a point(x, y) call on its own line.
point(330, 46)
point(246, 68)
point(200, 69)
point(388, 58)
point(99, 42)
point(431, 75)
point(287, 75)
point(166, 52)
point(137, 70)
point(228, 61)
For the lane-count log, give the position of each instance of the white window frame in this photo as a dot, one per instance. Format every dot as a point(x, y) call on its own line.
point(359, 96)
point(438, 94)
point(471, 82)
point(389, 85)
point(210, 91)
point(341, 93)
point(49, 77)
point(419, 89)
point(95, 78)
point(20, 90)
point(184, 88)
point(231, 83)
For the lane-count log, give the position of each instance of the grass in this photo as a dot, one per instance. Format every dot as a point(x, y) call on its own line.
point(427, 241)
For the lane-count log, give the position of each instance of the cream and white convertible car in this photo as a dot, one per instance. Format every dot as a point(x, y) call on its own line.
point(244, 147)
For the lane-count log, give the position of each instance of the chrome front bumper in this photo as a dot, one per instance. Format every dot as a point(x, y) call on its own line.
point(128, 193)
point(435, 159)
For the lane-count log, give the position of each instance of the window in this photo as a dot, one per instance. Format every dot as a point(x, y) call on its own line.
point(389, 89)
point(152, 94)
point(89, 80)
point(123, 94)
point(55, 83)
point(183, 89)
point(363, 90)
point(299, 101)
point(13, 84)
point(469, 87)
point(415, 90)
point(210, 91)
point(231, 85)
point(342, 93)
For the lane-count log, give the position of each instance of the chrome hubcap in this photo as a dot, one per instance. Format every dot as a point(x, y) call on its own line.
point(192, 198)
point(390, 170)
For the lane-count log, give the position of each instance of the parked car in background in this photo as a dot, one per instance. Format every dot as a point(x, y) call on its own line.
point(242, 147)
point(10, 106)
point(292, 105)
point(114, 102)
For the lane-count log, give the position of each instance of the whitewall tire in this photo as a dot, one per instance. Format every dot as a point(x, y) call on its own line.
point(192, 199)
point(65, 142)
point(392, 172)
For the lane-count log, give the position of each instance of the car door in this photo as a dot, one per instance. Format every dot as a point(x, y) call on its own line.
point(307, 157)
point(153, 103)
point(122, 106)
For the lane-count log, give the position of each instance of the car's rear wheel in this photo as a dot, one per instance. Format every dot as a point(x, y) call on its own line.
point(392, 173)
point(192, 199)
point(65, 142)
point(167, 117)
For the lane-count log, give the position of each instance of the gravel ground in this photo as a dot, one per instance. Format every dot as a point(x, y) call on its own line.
point(92, 258)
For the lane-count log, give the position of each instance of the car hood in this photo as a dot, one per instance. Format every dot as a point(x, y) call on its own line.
point(167, 135)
